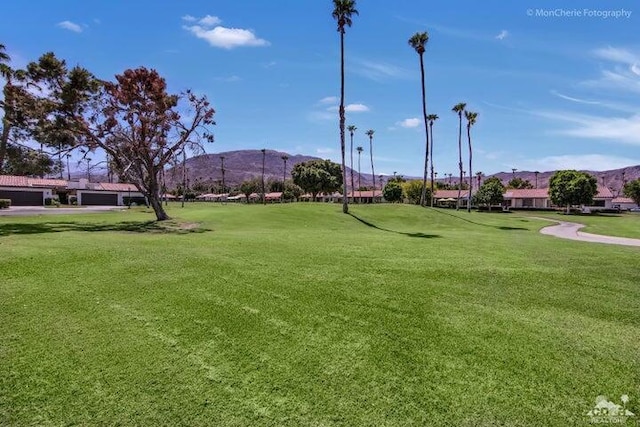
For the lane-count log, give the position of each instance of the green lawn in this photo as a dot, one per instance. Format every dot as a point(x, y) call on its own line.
point(626, 224)
point(300, 315)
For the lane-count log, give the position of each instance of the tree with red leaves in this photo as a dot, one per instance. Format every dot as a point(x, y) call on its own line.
point(137, 123)
point(140, 128)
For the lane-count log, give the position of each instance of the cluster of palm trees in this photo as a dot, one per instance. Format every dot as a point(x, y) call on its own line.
point(352, 130)
point(343, 12)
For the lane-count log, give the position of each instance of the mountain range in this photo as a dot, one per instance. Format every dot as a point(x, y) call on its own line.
point(241, 165)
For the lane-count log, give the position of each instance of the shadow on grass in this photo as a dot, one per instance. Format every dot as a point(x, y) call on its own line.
point(420, 235)
point(151, 227)
point(497, 227)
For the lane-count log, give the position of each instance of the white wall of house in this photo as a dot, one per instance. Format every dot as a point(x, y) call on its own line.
point(529, 202)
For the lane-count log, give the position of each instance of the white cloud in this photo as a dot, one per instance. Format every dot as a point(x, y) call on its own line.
point(189, 18)
point(226, 38)
point(594, 162)
point(624, 75)
point(379, 71)
point(624, 130)
point(617, 55)
point(71, 26)
point(356, 108)
point(351, 108)
point(503, 35)
point(413, 122)
point(210, 21)
point(328, 100)
point(569, 98)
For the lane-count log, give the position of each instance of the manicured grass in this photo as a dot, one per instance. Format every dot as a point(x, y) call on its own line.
point(626, 224)
point(300, 315)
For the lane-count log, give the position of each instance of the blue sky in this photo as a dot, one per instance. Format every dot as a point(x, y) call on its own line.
point(555, 85)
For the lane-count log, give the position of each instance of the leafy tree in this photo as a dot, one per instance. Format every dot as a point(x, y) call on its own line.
point(632, 190)
point(471, 120)
point(571, 187)
point(397, 178)
point(418, 42)
point(317, 176)
point(291, 191)
point(459, 110)
point(343, 10)
point(27, 161)
point(413, 191)
point(249, 187)
point(519, 183)
point(134, 120)
point(490, 193)
point(393, 192)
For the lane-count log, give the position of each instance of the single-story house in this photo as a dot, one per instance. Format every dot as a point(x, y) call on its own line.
point(624, 203)
point(273, 197)
point(365, 196)
point(527, 198)
point(27, 191)
point(448, 198)
point(211, 197)
point(539, 198)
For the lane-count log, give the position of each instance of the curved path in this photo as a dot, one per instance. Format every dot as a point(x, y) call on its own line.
point(571, 231)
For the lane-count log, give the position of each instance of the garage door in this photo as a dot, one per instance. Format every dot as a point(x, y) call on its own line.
point(23, 198)
point(103, 199)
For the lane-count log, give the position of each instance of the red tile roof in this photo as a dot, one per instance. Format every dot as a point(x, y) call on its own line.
point(368, 194)
point(25, 181)
point(527, 193)
point(451, 194)
point(623, 200)
point(604, 193)
point(120, 186)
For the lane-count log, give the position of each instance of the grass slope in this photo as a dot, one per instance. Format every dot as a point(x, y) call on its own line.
point(300, 315)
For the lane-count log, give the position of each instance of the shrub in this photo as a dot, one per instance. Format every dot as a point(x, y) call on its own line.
point(51, 201)
point(5, 203)
point(73, 200)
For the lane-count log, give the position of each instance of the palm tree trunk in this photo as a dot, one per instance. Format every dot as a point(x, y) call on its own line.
point(4, 140)
point(431, 159)
point(264, 201)
point(184, 178)
point(470, 171)
point(359, 179)
point(345, 201)
point(459, 159)
point(423, 198)
point(352, 186)
point(373, 172)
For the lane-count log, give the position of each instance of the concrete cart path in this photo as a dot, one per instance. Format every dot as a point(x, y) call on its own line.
point(571, 231)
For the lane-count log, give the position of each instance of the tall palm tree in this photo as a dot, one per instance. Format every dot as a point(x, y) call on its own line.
point(222, 170)
point(471, 120)
point(459, 109)
point(6, 73)
point(432, 118)
point(418, 42)
point(370, 133)
point(284, 173)
point(343, 10)
point(479, 175)
point(264, 154)
point(536, 173)
point(352, 129)
point(359, 150)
